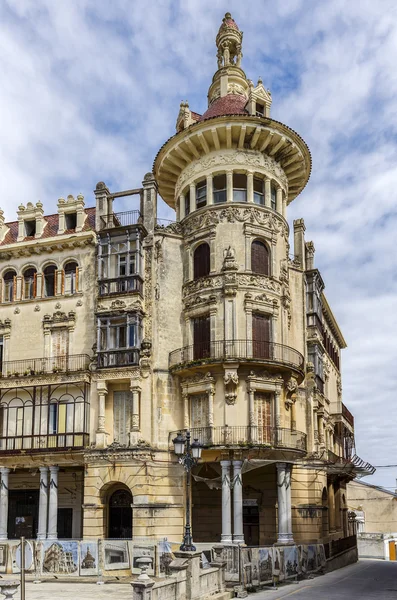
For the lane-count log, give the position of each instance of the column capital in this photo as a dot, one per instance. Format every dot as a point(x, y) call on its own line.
point(4, 470)
point(43, 469)
point(237, 464)
point(225, 463)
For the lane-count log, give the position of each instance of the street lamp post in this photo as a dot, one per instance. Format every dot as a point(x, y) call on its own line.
point(188, 456)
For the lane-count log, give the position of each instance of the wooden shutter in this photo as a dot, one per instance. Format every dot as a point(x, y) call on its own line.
point(122, 415)
point(14, 288)
point(201, 337)
point(34, 285)
point(201, 266)
point(77, 285)
point(263, 406)
point(261, 335)
point(199, 411)
point(259, 258)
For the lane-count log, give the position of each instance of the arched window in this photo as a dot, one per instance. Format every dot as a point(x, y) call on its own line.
point(201, 261)
point(260, 259)
point(71, 271)
point(49, 274)
point(9, 285)
point(29, 284)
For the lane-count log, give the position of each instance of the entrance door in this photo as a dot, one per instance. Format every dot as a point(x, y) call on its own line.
point(392, 550)
point(260, 336)
point(120, 515)
point(201, 337)
point(251, 525)
point(23, 512)
point(64, 524)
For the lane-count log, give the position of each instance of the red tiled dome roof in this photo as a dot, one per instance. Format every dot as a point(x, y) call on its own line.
point(228, 21)
point(232, 104)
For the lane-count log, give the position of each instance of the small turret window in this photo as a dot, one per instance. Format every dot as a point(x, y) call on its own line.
point(219, 187)
point(201, 261)
point(273, 196)
point(187, 203)
point(259, 110)
point(239, 188)
point(260, 262)
point(201, 194)
point(259, 196)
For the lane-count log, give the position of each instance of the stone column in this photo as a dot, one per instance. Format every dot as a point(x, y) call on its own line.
point(135, 416)
point(250, 186)
point(331, 507)
point(4, 502)
point(279, 200)
point(43, 504)
point(181, 206)
point(267, 192)
point(226, 536)
point(229, 186)
point(53, 505)
point(238, 534)
point(186, 420)
point(283, 536)
point(288, 472)
point(210, 193)
point(101, 434)
point(192, 197)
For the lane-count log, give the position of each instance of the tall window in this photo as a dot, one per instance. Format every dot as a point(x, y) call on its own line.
point(259, 196)
point(273, 197)
point(201, 261)
point(260, 335)
point(9, 285)
point(201, 194)
point(199, 410)
point(29, 284)
point(201, 337)
point(263, 415)
point(219, 189)
point(49, 274)
point(260, 259)
point(239, 187)
point(122, 416)
point(71, 274)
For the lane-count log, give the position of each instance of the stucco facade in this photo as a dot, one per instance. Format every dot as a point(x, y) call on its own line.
point(143, 328)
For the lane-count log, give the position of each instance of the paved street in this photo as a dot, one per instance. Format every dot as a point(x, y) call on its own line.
point(365, 580)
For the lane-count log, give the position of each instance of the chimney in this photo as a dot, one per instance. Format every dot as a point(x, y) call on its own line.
point(299, 242)
point(310, 250)
point(3, 227)
point(104, 206)
point(149, 202)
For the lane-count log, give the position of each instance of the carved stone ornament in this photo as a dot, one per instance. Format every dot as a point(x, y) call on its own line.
point(231, 380)
point(229, 260)
point(339, 387)
point(232, 158)
point(17, 311)
point(198, 378)
point(291, 385)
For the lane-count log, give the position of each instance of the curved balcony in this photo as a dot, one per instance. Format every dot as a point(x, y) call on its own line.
point(249, 351)
point(246, 437)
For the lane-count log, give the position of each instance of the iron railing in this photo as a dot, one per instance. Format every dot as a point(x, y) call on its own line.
point(347, 415)
point(56, 441)
point(246, 436)
point(42, 366)
point(338, 546)
point(249, 350)
point(121, 219)
point(121, 285)
point(118, 358)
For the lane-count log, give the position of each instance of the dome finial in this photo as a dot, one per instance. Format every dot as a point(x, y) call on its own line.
point(229, 43)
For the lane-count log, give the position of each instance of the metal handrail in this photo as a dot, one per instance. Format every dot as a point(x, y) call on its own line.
point(121, 219)
point(246, 436)
point(251, 350)
point(44, 365)
point(121, 285)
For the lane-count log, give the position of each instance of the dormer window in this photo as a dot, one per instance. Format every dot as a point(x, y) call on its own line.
point(30, 228)
point(259, 110)
point(70, 220)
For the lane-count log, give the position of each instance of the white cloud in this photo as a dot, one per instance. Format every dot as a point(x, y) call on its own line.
point(90, 90)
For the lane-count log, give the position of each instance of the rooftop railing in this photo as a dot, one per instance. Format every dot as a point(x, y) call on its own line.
point(121, 219)
point(246, 350)
point(246, 436)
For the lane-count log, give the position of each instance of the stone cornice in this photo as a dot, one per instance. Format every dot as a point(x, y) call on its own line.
point(48, 245)
point(47, 379)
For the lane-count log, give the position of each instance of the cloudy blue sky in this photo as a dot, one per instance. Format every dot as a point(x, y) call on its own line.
point(91, 89)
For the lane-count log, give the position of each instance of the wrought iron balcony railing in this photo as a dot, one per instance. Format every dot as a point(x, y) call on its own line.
point(121, 219)
point(121, 285)
point(41, 442)
point(347, 415)
point(247, 436)
point(118, 358)
point(42, 366)
point(247, 350)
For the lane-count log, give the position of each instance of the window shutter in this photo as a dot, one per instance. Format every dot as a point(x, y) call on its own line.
point(77, 280)
point(261, 335)
point(201, 261)
point(122, 414)
point(259, 258)
point(67, 283)
point(199, 411)
point(263, 416)
point(14, 287)
point(202, 337)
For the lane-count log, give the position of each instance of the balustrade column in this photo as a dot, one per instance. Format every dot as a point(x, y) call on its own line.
point(226, 536)
point(210, 192)
point(267, 192)
point(43, 504)
point(238, 533)
point(229, 186)
point(53, 504)
point(250, 186)
point(4, 502)
point(192, 197)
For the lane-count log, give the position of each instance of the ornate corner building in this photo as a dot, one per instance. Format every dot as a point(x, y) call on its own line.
point(118, 330)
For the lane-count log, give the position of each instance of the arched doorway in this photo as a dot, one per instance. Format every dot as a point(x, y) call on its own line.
point(120, 515)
